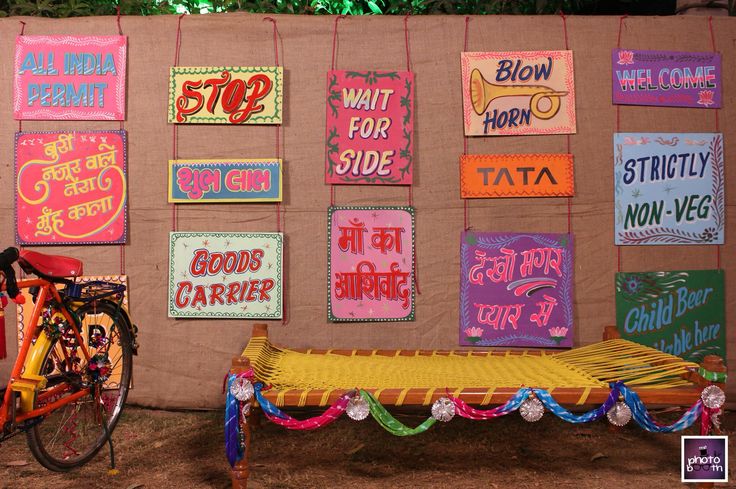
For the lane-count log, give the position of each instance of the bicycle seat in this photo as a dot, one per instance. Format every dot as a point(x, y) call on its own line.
point(49, 265)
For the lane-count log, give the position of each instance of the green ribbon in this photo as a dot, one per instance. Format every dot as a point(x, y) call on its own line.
point(719, 377)
point(391, 424)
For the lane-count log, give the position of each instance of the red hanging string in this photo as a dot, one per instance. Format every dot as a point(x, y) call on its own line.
point(466, 221)
point(334, 55)
point(22, 30)
point(278, 126)
point(406, 39)
point(175, 128)
point(408, 68)
point(620, 29)
point(122, 128)
point(567, 136)
point(618, 121)
point(120, 29)
point(334, 39)
point(715, 113)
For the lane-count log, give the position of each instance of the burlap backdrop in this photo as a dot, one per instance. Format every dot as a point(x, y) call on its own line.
point(182, 363)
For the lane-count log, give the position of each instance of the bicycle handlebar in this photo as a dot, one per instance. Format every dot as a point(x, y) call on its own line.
point(7, 258)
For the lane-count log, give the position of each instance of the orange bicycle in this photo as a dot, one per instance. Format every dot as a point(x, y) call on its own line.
point(69, 383)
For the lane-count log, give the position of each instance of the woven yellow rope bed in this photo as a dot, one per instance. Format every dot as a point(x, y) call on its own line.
point(312, 377)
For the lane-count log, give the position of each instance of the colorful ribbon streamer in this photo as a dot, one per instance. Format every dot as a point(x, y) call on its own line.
point(391, 424)
point(645, 420)
point(566, 415)
point(395, 427)
point(279, 417)
point(466, 411)
point(233, 448)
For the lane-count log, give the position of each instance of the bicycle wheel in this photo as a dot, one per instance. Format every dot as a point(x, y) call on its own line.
point(71, 435)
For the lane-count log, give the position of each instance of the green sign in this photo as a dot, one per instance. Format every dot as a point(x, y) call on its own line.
point(681, 312)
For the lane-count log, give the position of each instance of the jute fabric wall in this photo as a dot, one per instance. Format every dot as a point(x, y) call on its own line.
point(182, 362)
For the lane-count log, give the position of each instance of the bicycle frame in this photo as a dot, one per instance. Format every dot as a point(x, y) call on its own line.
point(31, 355)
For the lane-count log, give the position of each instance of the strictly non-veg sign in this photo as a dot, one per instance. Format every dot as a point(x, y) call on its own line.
point(225, 275)
point(70, 77)
point(70, 187)
point(212, 181)
point(669, 188)
point(226, 95)
point(668, 78)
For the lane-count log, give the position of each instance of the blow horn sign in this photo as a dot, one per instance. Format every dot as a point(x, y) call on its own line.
point(514, 93)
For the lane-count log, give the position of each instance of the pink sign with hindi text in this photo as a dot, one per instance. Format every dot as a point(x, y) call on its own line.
point(70, 187)
point(370, 263)
point(70, 77)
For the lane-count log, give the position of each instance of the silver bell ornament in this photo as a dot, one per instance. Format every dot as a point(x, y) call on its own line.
point(713, 397)
point(357, 408)
point(532, 409)
point(443, 409)
point(619, 414)
point(242, 389)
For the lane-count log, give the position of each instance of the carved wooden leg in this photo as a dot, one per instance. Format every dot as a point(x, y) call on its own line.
point(239, 472)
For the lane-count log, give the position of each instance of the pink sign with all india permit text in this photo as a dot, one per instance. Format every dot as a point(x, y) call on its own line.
point(70, 77)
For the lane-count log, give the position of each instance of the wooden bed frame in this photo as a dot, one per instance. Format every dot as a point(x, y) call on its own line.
point(679, 396)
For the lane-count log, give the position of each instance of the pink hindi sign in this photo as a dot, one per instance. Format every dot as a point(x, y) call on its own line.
point(370, 127)
point(70, 187)
point(70, 77)
point(370, 266)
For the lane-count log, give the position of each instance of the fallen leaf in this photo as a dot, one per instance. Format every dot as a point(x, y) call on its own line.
point(134, 486)
point(597, 456)
point(17, 463)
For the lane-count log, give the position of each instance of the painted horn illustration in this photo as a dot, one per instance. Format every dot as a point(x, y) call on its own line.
point(483, 92)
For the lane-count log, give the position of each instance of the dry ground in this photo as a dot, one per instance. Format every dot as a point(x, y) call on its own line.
point(161, 449)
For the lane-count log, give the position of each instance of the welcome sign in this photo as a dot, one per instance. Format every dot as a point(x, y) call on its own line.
point(516, 175)
point(668, 78)
point(225, 275)
point(516, 289)
point(371, 263)
point(679, 312)
point(226, 95)
point(213, 181)
point(71, 187)
point(70, 77)
point(518, 92)
point(669, 188)
point(370, 127)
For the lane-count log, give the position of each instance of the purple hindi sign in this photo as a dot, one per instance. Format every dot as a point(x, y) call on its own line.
point(667, 78)
point(516, 289)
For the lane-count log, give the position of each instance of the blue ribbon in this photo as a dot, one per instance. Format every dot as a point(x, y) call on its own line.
point(644, 419)
point(566, 415)
point(233, 447)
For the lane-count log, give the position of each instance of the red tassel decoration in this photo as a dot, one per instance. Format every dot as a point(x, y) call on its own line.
point(3, 303)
